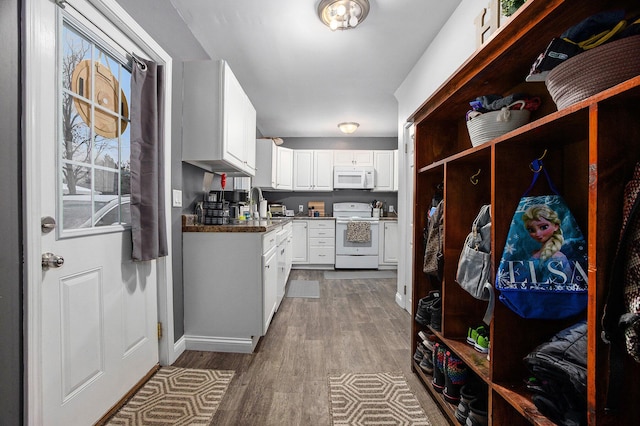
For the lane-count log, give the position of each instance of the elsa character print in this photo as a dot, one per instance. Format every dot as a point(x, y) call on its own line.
point(543, 225)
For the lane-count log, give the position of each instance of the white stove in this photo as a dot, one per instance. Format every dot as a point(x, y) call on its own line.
point(356, 236)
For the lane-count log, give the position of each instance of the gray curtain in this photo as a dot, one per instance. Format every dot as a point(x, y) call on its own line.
point(147, 161)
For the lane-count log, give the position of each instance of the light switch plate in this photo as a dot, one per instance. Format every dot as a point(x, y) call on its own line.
point(177, 198)
point(300, 208)
point(391, 209)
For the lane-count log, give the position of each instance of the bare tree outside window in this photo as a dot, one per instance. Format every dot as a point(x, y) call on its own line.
point(94, 150)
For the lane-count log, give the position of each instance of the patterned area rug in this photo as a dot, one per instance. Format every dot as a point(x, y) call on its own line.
point(374, 399)
point(175, 396)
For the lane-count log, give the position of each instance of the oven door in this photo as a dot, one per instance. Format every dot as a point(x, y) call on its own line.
point(351, 248)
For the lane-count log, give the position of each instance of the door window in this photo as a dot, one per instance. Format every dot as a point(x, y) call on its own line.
point(94, 137)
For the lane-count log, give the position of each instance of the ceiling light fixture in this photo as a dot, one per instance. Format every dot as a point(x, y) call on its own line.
point(348, 127)
point(342, 14)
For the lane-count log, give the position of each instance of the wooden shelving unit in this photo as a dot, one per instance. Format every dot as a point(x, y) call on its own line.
point(591, 150)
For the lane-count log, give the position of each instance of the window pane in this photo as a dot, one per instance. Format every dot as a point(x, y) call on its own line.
point(75, 133)
point(95, 92)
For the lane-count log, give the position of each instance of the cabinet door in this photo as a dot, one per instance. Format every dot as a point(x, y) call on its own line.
point(300, 246)
point(342, 158)
point(323, 170)
point(234, 113)
point(384, 170)
point(266, 166)
point(390, 254)
point(249, 136)
point(302, 170)
point(270, 287)
point(284, 169)
point(363, 158)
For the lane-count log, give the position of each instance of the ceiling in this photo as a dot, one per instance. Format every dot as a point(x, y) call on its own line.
point(302, 78)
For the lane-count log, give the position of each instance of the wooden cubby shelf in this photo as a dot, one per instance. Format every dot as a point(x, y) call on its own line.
point(590, 150)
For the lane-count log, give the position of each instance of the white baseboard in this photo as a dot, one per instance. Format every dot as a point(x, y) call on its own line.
point(179, 347)
point(401, 301)
point(221, 344)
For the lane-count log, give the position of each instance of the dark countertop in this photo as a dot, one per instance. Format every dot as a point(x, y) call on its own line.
point(258, 225)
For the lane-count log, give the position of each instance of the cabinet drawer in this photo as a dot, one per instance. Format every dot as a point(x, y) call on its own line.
point(322, 255)
point(322, 242)
point(269, 241)
point(322, 233)
point(322, 224)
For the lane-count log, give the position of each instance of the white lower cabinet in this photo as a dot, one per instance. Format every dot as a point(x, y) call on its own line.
point(300, 243)
point(284, 250)
point(314, 243)
point(270, 285)
point(230, 289)
point(322, 241)
point(388, 243)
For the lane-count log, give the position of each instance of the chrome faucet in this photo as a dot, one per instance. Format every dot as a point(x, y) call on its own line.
point(254, 203)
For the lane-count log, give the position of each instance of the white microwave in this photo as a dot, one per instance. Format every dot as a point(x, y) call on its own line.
point(353, 177)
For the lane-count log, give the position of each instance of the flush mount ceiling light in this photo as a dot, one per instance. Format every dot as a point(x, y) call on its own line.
point(349, 127)
point(343, 14)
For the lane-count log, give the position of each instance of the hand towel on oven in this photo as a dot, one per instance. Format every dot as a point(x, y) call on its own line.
point(358, 232)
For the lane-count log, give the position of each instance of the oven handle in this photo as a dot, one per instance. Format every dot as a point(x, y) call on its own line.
point(345, 221)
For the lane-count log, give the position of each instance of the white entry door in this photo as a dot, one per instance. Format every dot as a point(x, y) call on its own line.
point(95, 311)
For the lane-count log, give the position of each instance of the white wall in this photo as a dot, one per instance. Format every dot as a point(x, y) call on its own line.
point(455, 42)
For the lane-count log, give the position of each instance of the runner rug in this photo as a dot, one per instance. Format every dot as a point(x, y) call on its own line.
point(175, 396)
point(374, 399)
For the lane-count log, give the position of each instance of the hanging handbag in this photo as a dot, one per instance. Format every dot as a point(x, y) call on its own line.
point(474, 265)
point(543, 270)
point(433, 256)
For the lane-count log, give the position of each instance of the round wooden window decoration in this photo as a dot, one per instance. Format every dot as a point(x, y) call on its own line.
point(106, 95)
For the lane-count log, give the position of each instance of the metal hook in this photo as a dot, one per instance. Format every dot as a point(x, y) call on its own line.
point(537, 163)
point(543, 154)
point(474, 178)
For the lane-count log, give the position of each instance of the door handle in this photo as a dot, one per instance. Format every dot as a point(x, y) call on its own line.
point(50, 260)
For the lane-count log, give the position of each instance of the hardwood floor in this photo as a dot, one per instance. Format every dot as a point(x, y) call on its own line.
point(355, 326)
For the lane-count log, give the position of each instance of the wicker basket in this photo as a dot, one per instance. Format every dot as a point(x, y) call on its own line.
point(593, 71)
point(484, 127)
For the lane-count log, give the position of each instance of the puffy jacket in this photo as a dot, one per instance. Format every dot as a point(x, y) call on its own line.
point(560, 365)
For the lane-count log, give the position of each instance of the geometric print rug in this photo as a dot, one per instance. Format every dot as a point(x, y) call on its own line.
point(175, 396)
point(374, 399)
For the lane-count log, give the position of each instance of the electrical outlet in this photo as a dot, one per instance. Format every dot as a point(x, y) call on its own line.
point(391, 209)
point(300, 208)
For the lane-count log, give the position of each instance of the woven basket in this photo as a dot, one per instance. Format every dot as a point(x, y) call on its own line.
point(490, 125)
point(593, 71)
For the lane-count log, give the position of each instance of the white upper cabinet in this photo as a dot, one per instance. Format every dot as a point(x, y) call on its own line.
point(274, 168)
point(312, 170)
point(352, 158)
point(284, 169)
point(384, 169)
point(219, 121)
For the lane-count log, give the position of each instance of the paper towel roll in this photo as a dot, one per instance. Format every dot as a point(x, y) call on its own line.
point(263, 209)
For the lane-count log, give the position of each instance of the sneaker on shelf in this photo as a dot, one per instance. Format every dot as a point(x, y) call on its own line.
point(419, 353)
point(436, 314)
point(477, 413)
point(472, 334)
point(423, 316)
point(470, 391)
point(427, 338)
point(482, 344)
point(427, 362)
